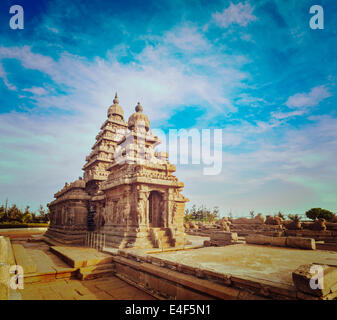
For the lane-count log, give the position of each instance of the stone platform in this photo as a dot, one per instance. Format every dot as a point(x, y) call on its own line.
point(260, 262)
point(238, 271)
point(48, 277)
point(78, 257)
point(38, 263)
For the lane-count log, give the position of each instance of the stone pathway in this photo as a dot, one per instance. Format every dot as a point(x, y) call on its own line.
point(108, 288)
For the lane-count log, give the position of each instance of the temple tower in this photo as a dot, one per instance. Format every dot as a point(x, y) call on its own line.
point(142, 206)
point(129, 192)
point(97, 162)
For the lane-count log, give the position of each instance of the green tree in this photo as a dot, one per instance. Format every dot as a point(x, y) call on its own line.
point(316, 213)
point(294, 217)
point(281, 215)
point(201, 214)
point(27, 216)
point(43, 215)
point(2, 213)
point(14, 213)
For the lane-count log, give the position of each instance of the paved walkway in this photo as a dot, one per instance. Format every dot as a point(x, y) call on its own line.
point(107, 288)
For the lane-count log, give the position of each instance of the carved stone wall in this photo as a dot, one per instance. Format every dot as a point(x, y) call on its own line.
point(69, 214)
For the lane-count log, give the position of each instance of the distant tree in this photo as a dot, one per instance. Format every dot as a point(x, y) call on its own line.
point(281, 215)
point(201, 214)
point(27, 216)
point(46, 216)
point(2, 213)
point(251, 213)
point(187, 216)
point(14, 214)
point(43, 216)
point(294, 217)
point(316, 213)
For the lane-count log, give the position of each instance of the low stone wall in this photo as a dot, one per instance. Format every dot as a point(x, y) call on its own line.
point(246, 229)
point(326, 236)
point(171, 280)
point(258, 228)
point(292, 242)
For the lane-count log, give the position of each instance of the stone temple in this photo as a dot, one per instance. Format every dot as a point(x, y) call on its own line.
point(128, 191)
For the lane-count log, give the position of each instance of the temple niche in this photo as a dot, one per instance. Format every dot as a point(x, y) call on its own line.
point(131, 193)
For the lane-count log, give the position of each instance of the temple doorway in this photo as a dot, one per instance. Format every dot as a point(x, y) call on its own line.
point(155, 214)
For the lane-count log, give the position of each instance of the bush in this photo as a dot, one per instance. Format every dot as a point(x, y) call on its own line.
point(16, 224)
point(316, 213)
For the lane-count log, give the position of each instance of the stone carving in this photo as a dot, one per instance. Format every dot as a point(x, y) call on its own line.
point(140, 212)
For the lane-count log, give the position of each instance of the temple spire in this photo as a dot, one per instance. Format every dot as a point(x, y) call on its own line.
point(116, 101)
point(139, 107)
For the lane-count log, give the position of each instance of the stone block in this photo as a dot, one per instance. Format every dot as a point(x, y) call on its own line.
point(224, 235)
point(303, 275)
point(301, 243)
point(266, 240)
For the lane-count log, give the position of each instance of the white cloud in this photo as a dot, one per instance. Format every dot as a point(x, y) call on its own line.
point(3, 76)
point(241, 13)
point(54, 147)
point(36, 91)
point(285, 115)
point(311, 99)
point(186, 38)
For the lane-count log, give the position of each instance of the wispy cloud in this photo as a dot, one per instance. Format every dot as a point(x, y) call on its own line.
point(310, 99)
point(186, 38)
point(285, 115)
point(241, 14)
point(210, 68)
point(3, 76)
point(36, 91)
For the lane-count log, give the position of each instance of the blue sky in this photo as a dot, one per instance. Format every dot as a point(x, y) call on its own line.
point(252, 68)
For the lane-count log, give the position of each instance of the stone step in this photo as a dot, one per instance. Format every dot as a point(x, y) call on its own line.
point(79, 257)
point(10, 254)
point(94, 272)
point(23, 259)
